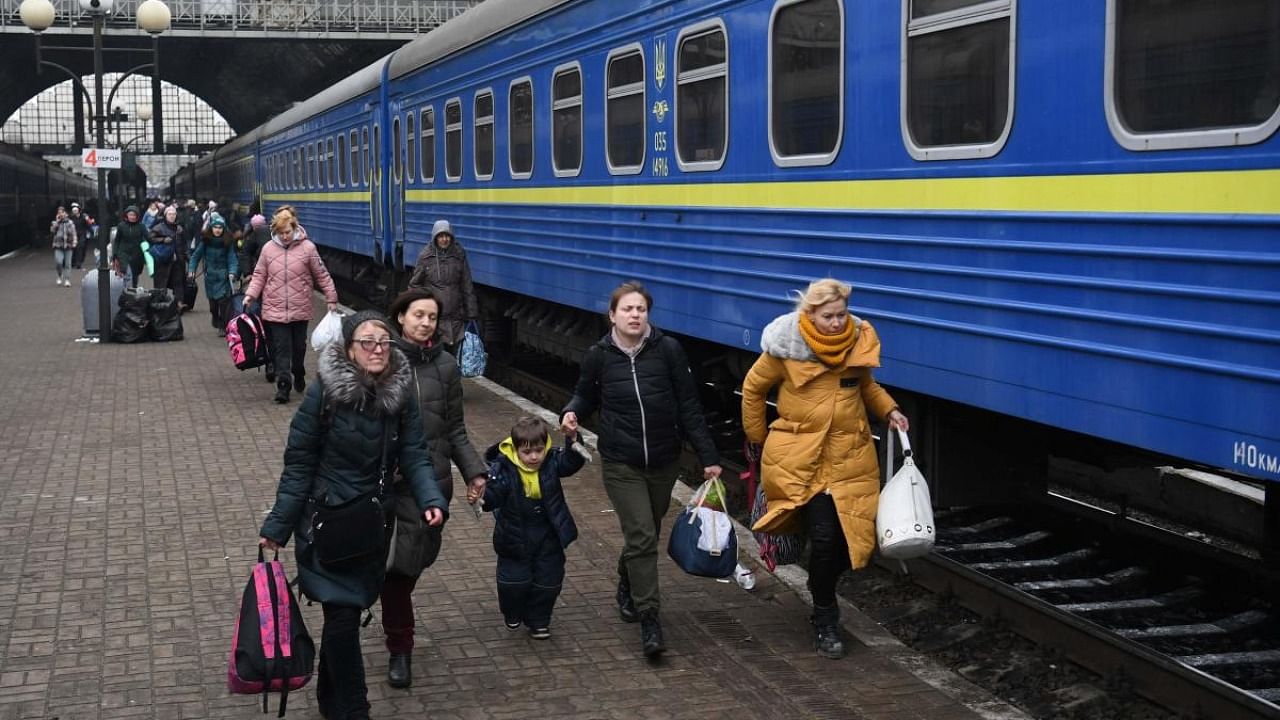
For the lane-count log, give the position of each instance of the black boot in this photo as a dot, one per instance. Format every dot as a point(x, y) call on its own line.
point(282, 391)
point(400, 673)
point(826, 632)
point(626, 606)
point(271, 372)
point(299, 383)
point(651, 634)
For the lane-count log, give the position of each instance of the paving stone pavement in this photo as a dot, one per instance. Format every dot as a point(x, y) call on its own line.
point(133, 479)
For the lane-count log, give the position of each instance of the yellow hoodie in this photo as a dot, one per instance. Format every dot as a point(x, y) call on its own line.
point(528, 476)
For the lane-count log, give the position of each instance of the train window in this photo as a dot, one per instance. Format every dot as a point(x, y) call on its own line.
point(428, 123)
point(806, 80)
point(333, 164)
point(702, 97)
point(411, 146)
point(1189, 73)
point(320, 172)
point(398, 148)
point(453, 140)
point(364, 152)
point(309, 174)
point(958, 84)
point(342, 160)
point(566, 120)
point(624, 109)
point(353, 142)
point(482, 135)
point(375, 163)
point(520, 128)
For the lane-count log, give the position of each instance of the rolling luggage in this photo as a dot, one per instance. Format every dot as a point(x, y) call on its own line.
point(190, 291)
point(89, 299)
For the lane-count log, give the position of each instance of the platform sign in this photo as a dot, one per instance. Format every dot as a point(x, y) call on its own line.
point(107, 158)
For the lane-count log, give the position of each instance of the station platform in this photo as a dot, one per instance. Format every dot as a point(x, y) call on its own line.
point(133, 479)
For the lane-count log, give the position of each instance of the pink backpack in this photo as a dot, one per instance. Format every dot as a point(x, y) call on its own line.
point(271, 650)
point(247, 341)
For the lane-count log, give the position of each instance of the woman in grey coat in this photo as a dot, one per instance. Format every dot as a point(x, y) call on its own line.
point(437, 385)
point(443, 269)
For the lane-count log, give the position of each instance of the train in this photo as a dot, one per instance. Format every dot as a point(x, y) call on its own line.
point(31, 188)
point(1062, 216)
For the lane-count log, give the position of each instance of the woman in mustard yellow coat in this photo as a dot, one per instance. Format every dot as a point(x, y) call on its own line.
point(819, 465)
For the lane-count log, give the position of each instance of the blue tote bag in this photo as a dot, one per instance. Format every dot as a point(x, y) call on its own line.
point(702, 539)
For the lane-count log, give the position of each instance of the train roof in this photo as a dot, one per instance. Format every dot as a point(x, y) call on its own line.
point(481, 21)
point(353, 85)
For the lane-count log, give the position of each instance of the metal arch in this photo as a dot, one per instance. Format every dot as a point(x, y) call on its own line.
point(335, 19)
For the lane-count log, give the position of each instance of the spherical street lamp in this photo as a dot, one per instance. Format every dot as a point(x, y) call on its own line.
point(144, 112)
point(154, 17)
point(37, 15)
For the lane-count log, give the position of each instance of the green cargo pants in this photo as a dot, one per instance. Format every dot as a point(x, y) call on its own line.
point(640, 497)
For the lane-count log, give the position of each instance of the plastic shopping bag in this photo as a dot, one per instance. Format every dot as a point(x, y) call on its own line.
point(904, 519)
point(472, 357)
point(147, 260)
point(702, 540)
point(328, 330)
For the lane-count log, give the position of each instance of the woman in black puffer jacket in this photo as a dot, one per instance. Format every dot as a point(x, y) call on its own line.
point(641, 381)
point(361, 410)
point(437, 385)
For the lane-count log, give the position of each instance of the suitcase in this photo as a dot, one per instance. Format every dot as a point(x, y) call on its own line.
point(89, 300)
point(190, 292)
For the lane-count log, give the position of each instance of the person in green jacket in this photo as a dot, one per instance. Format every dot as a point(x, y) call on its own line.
point(126, 249)
point(362, 410)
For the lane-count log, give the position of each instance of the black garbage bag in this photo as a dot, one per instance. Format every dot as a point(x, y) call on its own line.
point(166, 317)
point(131, 321)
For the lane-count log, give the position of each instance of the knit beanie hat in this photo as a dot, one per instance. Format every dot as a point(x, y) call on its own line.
point(351, 322)
point(257, 221)
point(441, 226)
point(217, 221)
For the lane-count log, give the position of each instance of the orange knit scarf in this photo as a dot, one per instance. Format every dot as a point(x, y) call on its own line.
point(830, 349)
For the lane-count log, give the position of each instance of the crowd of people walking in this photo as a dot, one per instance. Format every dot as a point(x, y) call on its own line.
point(385, 419)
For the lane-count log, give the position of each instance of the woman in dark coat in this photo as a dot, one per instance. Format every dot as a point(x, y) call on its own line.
point(640, 380)
point(221, 268)
point(361, 411)
point(443, 269)
point(169, 249)
point(437, 386)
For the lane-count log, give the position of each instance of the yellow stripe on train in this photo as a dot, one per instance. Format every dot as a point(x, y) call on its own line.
point(1250, 192)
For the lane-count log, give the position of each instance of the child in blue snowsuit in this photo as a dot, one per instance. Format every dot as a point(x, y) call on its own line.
point(532, 522)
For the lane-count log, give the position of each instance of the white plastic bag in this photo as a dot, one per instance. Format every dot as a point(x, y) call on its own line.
point(904, 519)
point(328, 330)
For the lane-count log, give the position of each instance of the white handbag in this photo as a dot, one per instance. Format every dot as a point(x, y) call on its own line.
point(904, 519)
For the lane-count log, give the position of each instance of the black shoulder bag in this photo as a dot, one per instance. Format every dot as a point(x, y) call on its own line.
point(354, 531)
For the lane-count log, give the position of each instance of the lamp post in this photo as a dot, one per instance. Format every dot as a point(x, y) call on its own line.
point(38, 16)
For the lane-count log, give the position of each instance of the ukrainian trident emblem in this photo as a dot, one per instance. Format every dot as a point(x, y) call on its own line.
point(660, 62)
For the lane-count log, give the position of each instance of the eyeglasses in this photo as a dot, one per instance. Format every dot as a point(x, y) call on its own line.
point(372, 345)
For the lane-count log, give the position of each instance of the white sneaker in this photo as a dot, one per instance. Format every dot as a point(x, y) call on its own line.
point(57, 280)
point(67, 282)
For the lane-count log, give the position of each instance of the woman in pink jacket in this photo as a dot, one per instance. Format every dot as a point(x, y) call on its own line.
point(288, 269)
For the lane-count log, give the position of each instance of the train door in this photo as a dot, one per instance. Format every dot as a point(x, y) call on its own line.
point(373, 159)
point(399, 178)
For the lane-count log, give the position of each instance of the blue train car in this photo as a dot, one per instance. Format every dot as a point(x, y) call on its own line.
point(1065, 212)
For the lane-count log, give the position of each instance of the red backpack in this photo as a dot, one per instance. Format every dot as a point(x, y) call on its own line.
point(271, 650)
point(247, 341)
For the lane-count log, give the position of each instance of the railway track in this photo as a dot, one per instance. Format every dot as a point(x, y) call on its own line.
point(1191, 636)
point(1193, 632)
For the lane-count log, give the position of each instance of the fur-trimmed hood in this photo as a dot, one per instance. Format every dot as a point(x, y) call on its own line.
point(346, 384)
point(782, 339)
